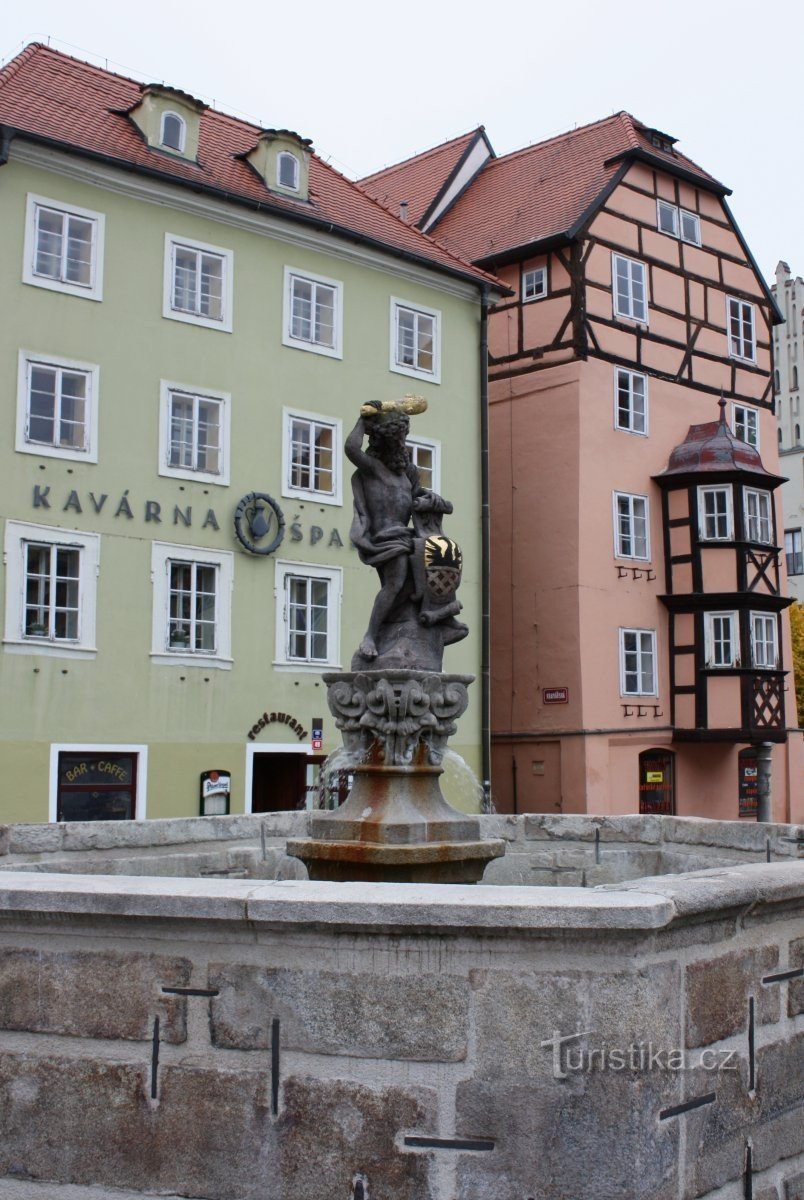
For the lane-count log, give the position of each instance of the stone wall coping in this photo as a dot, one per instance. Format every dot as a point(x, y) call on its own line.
point(640, 905)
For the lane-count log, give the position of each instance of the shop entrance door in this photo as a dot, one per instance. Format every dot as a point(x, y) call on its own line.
point(657, 790)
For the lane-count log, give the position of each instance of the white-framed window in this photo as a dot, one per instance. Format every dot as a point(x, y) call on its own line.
point(722, 634)
point(308, 616)
point(198, 283)
point(194, 428)
point(534, 283)
point(287, 171)
point(629, 288)
point(415, 340)
point(63, 248)
point(91, 781)
point(793, 552)
point(758, 516)
point(311, 456)
point(764, 640)
point(638, 662)
point(192, 605)
point(173, 132)
point(715, 513)
point(57, 407)
point(313, 318)
point(740, 323)
point(745, 424)
point(425, 454)
point(51, 584)
point(631, 526)
point(678, 222)
point(630, 401)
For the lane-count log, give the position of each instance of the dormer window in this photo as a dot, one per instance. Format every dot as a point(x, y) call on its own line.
point(173, 132)
point(288, 171)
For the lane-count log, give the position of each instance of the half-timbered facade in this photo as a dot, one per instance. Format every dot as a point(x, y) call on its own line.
point(636, 306)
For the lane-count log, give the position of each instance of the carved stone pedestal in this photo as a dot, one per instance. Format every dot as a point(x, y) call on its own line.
point(395, 826)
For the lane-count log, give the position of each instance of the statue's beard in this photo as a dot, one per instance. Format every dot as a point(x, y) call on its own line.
point(394, 457)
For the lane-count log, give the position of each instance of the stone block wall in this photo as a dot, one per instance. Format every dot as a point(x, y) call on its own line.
point(247, 1040)
point(541, 850)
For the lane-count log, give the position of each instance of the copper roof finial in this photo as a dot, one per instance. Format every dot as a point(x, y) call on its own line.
point(722, 406)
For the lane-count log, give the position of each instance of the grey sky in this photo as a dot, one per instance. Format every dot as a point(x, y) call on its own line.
point(373, 83)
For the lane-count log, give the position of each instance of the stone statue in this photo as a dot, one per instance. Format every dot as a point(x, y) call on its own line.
point(397, 530)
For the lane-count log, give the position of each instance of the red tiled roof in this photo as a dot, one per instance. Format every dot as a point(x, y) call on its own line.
point(419, 179)
point(713, 449)
point(541, 191)
point(47, 94)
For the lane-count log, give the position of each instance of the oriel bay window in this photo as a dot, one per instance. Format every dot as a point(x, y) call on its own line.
point(198, 283)
point(311, 456)
point(313, 317)
point(764, 640)
point(57, 408)
point(194, 434)
point(192, 604)
point(758, 516)
point(638, 662)
point(722, 639)
point(631, 526)
point(715, 513)
point(63, 248)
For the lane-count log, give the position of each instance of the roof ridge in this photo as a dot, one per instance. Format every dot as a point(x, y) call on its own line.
point(557, 137)
point(403, 162)
point(13, 65)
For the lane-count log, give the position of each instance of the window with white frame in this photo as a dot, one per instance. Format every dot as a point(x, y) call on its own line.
point(288, 171)
point(715, 513)
point(758, 516)
point(764, 640)
point(311, 455)
point(194, 433)
point(630, 401)
point(57, 407)
point(678, 222)
point(63, 248)
point(638, 662)
point(722, 639)
point(198, 283)
point(745, 424)
point(192, 605)
point(308, 602)
point(793, 552)
point(51, 581)
point(534, 283)
point(415, 341)
point(313, 317)
point(631, 535)
point(173, 132)
point(629, 288)
point(426, 458)
point(740, 318)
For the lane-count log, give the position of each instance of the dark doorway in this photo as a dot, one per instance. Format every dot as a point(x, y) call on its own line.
point(279, 781)
point(657, 787)
point(748, 779)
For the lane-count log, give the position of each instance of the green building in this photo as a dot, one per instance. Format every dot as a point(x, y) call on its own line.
point(194, 310)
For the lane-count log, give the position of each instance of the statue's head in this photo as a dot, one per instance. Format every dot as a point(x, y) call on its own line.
point(387, 435)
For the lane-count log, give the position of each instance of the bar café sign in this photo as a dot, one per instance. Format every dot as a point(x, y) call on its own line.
point(259, 523)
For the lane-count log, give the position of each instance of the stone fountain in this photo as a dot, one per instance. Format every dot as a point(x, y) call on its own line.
point(396, 708)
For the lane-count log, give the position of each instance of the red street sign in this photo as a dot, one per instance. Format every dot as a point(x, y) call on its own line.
point(317, 743)
point(555, 695)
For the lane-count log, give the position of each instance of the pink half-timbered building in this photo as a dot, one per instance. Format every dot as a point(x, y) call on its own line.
point(639, 644)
